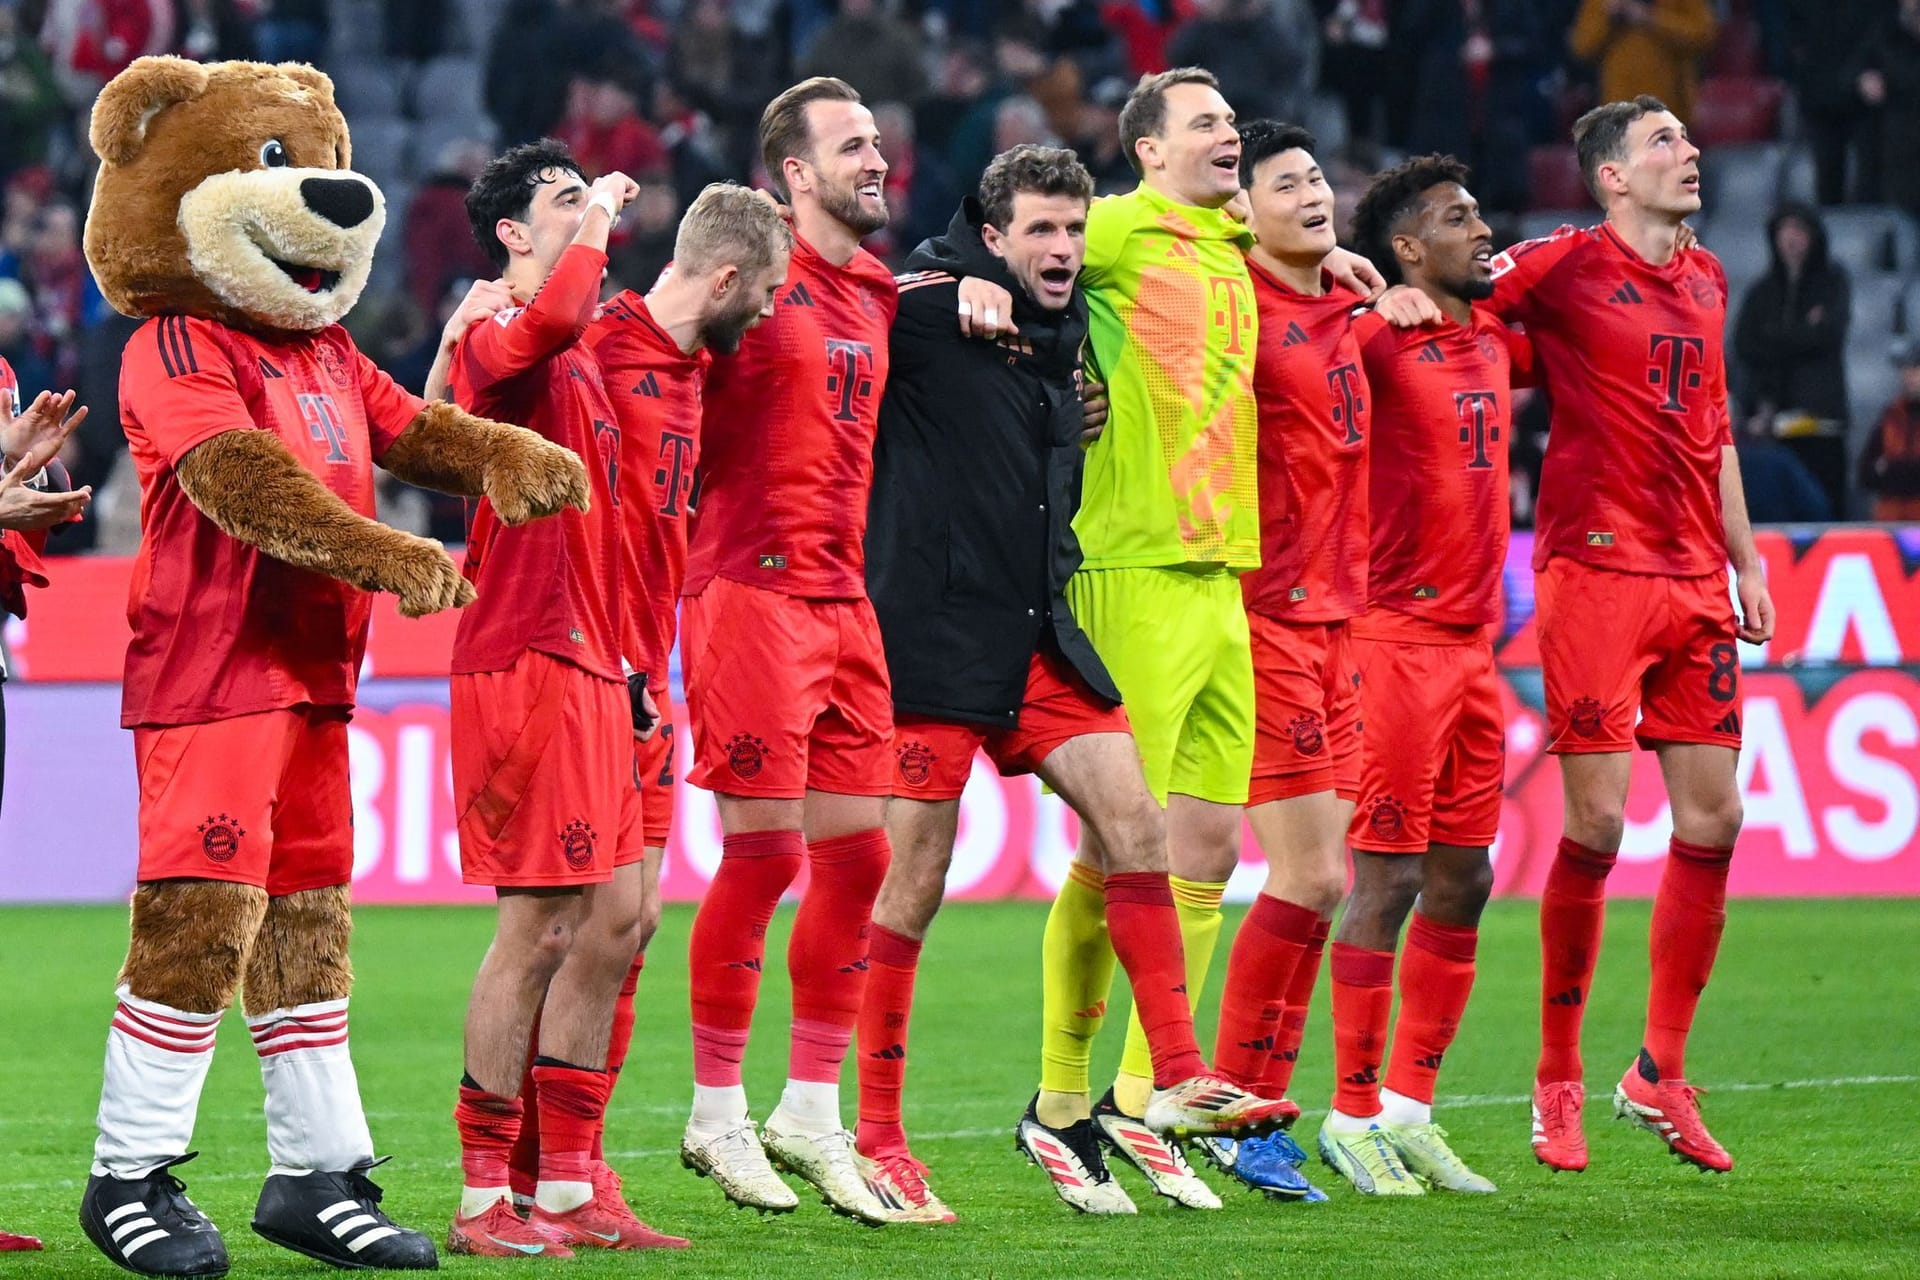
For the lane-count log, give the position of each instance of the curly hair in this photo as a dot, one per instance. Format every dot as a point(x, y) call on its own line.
point(505, 189)
point(1392, 197)
point(1045, 171)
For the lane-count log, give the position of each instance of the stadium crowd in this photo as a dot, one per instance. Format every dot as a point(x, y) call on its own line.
point(669, 90)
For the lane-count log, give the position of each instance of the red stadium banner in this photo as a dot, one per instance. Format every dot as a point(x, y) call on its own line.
point(1843, 595)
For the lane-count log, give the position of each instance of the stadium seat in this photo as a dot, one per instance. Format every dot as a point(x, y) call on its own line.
point(1871, 238)
point(448, 87)
point(1736, 109)
point(1744, 256)
point(366, 87)
point(1743, 182)
point(1737, 52)
point(1544, 222)
point(381, 149)
point(1878, 306)
point(1553, 176)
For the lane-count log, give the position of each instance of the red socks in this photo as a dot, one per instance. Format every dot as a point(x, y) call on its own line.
point(729, 944)
point(571, 1102)
point(1362, 1003)
point(1689, 915)
point(1436, 977)
point(1572, 911)
point(827, 957)
point(1145, 934)
point(488, 1125)
point(892, 959)
point(618, 1043)
point(1293, 1015)
point(1272, 940)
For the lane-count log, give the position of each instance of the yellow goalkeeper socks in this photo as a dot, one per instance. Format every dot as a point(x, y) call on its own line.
point(1076, 975)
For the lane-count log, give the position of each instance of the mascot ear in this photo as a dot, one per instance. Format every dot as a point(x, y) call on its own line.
point(134, 97)
point(309, 78)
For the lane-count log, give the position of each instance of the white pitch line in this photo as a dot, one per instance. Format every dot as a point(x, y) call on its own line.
point(958, 1135)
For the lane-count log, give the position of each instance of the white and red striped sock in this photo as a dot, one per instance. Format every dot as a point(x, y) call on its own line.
point(314, 1118)
point(157, 1060)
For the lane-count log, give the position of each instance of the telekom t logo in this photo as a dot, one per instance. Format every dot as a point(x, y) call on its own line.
point(322, 417)
point(1229, 298)
point(1676, 364)
point(849, 375)
point(674, 474)
point(1479, 413)
point(1344, 382)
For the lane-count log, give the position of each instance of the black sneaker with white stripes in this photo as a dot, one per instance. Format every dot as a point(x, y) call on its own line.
point(336, 1218)
point(148, 1225)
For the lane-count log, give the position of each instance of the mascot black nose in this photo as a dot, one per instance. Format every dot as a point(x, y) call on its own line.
point(345, 202)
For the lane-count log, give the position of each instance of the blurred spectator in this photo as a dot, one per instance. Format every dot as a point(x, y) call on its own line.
point(293, 30)
point(1097, 138)
point(91, 41)
point(1646, 46)
point(869, 49)
point(1354, 60)
point(1887, 74)
point(1790, 339)
point(1262, 52)
point(1791, 332)
point(1822, 38)
point(643, 253)
point(16, 341)
point(1890, 462)
point(1018, 63)
point(214, 31)
point(437, 241)
point(1476, 70)
point(1779, 488)
point(604, 128)
point(30, 103)
point(538, 49)
point(726, 73)
point(56, 274)
point(1077, 34)
point(416, 30)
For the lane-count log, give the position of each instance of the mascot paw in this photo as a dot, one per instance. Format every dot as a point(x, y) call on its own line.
point(529, 477)
point(425, 578)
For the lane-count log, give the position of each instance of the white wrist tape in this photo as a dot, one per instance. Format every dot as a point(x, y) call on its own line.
point(602, 200)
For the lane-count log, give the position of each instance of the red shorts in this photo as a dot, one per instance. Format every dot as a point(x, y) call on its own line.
point(260, 799)
point(932, 758)
point(1616, 644)
point(1434, 759)
point(542, 773)
point(653, 779)
point(1306, 706)
point(786, 695)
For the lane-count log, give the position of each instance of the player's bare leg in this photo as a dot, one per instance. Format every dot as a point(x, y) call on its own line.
point(922, 834)
point(1572, 911)
point(1689, 916)
point(1448, 886)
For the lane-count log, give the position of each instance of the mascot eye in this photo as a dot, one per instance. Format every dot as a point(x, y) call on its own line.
point(273, 155)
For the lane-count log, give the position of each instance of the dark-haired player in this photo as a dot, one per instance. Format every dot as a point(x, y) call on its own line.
point(1314, 408)
point(541, 720)
point(1640, 511)
point(1432, 758)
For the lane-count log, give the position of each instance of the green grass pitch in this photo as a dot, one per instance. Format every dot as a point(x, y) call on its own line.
point(1810, 1038)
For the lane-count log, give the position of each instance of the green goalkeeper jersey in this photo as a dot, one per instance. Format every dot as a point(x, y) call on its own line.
point(1174, 331)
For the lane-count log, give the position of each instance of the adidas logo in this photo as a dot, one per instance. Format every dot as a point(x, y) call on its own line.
point(744, 964)
point(1181, 989)
point(858, 966)
point(892, 1053)
point(1729, 723)
point(1570, 998)
point(1291, 1055)
point(1095, 1010)
point(1295, 335)
point(1264, 1042)
point(1626, 293)
point(1367, 1075)
point(798, 296)
point(1430, 353)
point(1429, 1063)
point(351, 1226)
point(267, 370)
point(647, 386)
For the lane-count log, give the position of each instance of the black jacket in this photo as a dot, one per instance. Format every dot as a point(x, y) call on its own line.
point(976, 481)
point(1791, 334)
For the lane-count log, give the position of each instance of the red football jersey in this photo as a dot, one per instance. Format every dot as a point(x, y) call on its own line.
point(656, 392)
point(1314, 409)
point(1437, 477)
point(552, 585)
point(787, 436)
point(221, 629)
point(1632, 356)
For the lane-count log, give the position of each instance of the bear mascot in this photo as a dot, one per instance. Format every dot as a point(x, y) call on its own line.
point(227, 215)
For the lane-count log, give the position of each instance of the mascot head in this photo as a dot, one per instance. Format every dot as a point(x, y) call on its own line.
point(225, 191)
